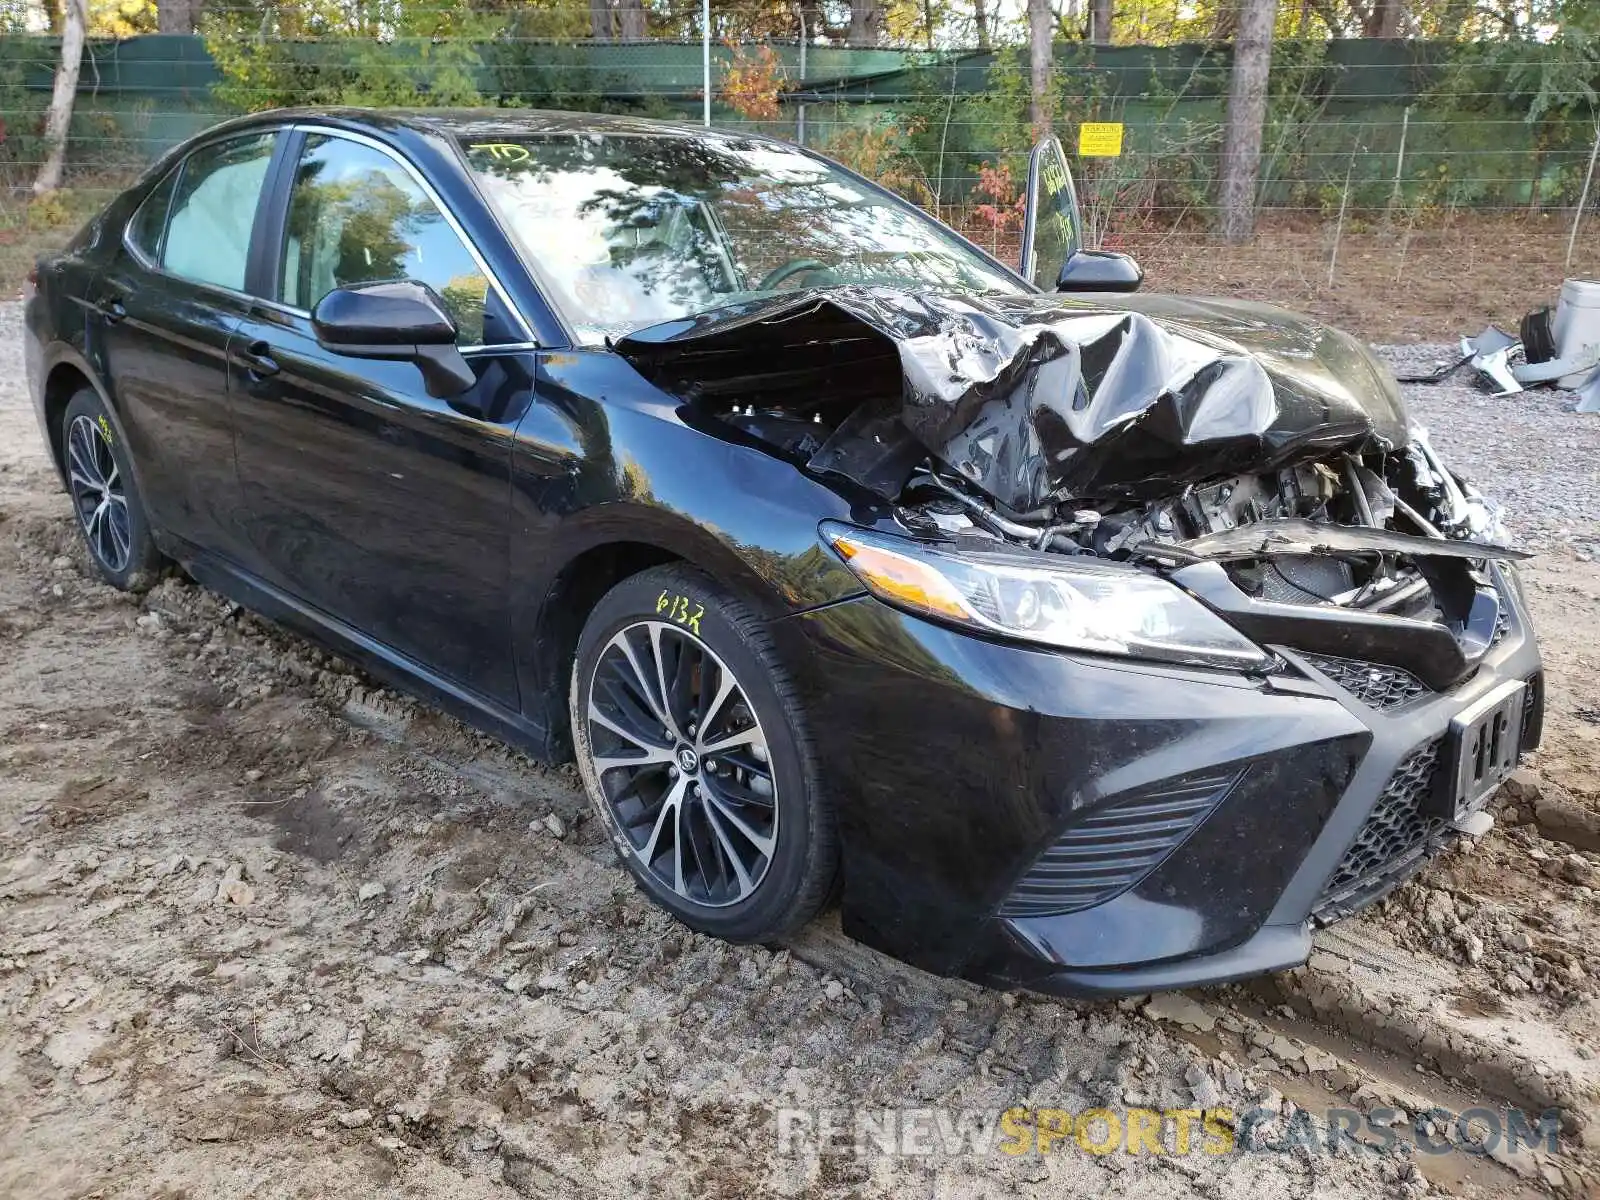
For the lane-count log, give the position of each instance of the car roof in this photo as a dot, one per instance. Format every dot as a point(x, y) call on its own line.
point(475, 123)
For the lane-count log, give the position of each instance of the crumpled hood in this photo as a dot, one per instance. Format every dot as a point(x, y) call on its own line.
point(1304, 358)
point(1044, 397)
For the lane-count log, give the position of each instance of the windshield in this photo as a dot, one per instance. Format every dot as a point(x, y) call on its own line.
point(630, 230)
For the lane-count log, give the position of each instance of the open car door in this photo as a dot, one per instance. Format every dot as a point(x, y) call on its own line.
point(1052, 226)
point(1053, 257)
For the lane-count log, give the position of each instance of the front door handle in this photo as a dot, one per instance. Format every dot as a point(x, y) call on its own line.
point(256, 359)
point(114, 311)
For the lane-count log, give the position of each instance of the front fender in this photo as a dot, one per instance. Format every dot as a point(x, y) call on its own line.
point(603, 488)
point(605, 457)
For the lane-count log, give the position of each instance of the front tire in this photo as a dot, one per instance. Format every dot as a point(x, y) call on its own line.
point(105, 498)
point(693, 748)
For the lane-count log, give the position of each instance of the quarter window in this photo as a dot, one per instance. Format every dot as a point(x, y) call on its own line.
point(208, 236)
point(357, 216)
point(150, 222)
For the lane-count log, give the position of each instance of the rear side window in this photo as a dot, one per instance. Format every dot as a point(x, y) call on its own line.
point(149, 224)
point(214, 206)
point(357, 216)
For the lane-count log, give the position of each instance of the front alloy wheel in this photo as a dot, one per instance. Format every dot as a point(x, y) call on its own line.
point(683, 763)
point(693, 747)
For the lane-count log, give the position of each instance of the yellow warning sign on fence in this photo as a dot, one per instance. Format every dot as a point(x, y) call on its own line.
point(1100, 139)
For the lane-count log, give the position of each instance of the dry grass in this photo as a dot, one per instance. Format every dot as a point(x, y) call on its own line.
point(32, 225)
point(1400, 285)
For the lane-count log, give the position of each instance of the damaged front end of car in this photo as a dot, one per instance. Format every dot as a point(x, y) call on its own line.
point(1261, 463)
point(1201, 490)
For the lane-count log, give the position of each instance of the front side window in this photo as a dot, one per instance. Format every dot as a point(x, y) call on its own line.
point(208, 234)
point(357, 216)
point(632, 229)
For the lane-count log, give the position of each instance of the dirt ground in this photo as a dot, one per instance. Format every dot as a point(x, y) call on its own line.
point(1392, 281)
point(267, 929)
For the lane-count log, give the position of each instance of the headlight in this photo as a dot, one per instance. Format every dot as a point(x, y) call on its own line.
point(1091, 606)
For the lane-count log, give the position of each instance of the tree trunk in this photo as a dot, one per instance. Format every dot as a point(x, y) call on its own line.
point(632, 17)
point(600, 20)
point(866, 23)
point(176, 16)
point(980, 22)
point(1100, 22)
point(75, 18)
point(1390, 14)
point(818, 26)
point(1041, 36)
point(1247, 113)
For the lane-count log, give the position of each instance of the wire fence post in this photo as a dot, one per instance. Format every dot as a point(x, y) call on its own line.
point(705, 57)
point(1400, 158)
point(800, 108)
point(1344, 203)
point(1583, 198)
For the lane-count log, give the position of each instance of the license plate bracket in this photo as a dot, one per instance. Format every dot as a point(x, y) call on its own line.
point(1481, 749)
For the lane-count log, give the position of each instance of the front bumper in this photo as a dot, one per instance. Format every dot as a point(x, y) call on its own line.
point(1097, 827)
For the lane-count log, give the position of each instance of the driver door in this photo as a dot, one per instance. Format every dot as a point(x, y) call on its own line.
point(365, 498)
point(1052, 225)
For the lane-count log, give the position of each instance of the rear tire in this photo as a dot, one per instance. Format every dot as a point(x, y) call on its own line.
point(105, 498)
point(693, 748)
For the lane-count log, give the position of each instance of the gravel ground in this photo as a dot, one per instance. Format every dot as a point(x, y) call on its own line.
point(1531, 451)
point(267, 929)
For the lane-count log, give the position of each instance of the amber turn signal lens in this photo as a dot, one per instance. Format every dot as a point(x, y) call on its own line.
point(901, 579)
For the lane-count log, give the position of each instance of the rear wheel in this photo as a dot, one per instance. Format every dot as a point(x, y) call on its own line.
point(693, 749)
point(105, 498)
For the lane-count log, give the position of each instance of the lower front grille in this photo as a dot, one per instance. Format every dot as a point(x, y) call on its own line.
point(1397, 832)
point(1376, 685)
point(1117, 845)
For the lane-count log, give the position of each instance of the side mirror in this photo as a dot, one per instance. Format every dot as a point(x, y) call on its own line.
point(404, 321)
point(1099, 271)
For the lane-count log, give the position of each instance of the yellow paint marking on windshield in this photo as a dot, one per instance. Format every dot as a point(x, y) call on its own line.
point(1100, 139)
point(504, 151)
point(1054, 175)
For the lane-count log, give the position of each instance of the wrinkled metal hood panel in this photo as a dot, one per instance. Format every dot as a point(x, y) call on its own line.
point(1036, 397)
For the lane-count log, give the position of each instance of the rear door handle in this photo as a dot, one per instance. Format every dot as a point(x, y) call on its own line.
point(113, 311)
point(256, 359)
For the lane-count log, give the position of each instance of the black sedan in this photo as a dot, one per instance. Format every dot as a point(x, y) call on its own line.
point(1073, 639)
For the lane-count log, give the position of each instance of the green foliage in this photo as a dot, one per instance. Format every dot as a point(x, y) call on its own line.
point(21, 110)
point(321, 52)
point(522, 72)
point(1561, 79)
point(950, 131)
point(1551, 83)
point(1544, 82)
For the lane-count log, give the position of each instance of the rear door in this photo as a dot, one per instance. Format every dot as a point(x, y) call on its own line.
point(368, 499)
point(164, 311)
point(1052, 226)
